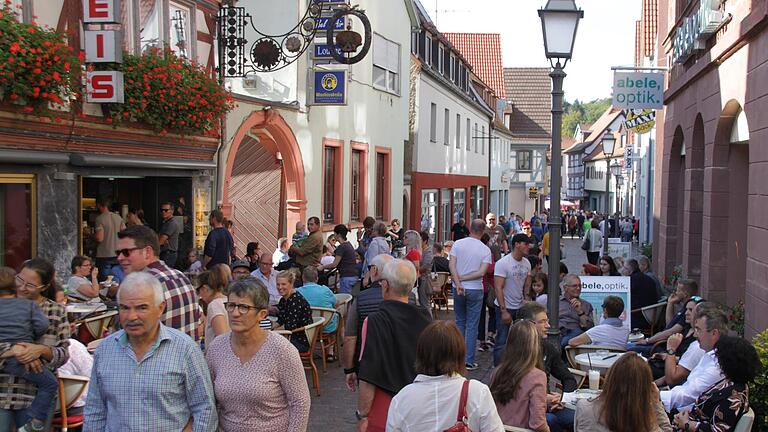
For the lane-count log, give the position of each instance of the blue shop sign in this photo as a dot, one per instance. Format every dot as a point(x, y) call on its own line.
point(330, 87)
point(321, 24)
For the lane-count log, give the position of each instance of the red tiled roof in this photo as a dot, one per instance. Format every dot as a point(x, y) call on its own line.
point(483, 52)
point(530, 90)
point(567, 142)
point(650, 25)
point(638, 43)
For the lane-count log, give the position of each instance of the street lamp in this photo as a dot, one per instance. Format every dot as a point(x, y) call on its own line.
point(609, 144)
point(616, 172)
point(559, 21)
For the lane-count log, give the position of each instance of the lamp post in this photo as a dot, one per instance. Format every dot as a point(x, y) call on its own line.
point(616, 173)
point(559, 21)
point(609, 143)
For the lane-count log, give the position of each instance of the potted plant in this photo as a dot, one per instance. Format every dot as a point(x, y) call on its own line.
point(36, 64)
point(170, 94)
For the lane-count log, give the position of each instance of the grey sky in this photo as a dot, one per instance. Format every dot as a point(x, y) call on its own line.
point(605, 38)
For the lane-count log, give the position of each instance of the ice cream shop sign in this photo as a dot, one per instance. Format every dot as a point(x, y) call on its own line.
point(103, 46)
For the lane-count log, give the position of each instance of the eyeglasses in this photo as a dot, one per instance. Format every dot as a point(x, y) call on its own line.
point(242, 308)
point(127, 251)
point(22, 283)
point(165, 210)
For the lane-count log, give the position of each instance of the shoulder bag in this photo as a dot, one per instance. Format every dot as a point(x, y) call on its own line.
point(461, 420)
point(585, 246)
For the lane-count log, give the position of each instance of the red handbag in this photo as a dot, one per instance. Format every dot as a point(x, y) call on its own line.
point(461, 420)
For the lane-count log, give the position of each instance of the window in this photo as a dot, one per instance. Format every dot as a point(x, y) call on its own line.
point(482, 140)
point(150, 16)
point(179, 35)
point(355, 190)
point(524, 160)
point(469, 134)
point(428, 51)
point(453, 68)
point(332, 174)
point(458, 204)
point(445, 215)
point(383, 167)
point(474, 138)
point(476, 202)
point(447, 127)
point(173, 25)
point(433, 123)
point(386, 64)
point(458, 131)
point(17, 219)
point(428, 211)
point(441, 59)
point(415, 43)
point(460, 78)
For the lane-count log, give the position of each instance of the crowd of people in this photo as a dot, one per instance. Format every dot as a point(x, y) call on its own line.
point(196, 351)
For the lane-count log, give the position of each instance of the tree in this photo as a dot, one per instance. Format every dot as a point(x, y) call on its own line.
point(579, 112)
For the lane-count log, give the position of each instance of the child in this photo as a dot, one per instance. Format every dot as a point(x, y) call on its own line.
point(300, 235)
point(21, 320)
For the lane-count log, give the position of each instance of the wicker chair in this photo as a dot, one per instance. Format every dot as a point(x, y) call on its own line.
point(71, 387)
point(332, 339)
point(307, 358)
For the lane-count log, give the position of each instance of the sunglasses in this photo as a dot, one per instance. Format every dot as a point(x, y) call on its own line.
point(127, 251)
point(697, 299)
point(165, 210)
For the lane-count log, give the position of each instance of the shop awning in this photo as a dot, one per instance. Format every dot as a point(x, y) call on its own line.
point(79, 159)
point(32, 157)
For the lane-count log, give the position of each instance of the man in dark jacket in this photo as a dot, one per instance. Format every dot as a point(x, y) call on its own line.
point(558, 418)
point(388, 353)
point(642, 292)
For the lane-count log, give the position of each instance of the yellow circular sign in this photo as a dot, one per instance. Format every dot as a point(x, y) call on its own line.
point(640, 121)
point(329, 82)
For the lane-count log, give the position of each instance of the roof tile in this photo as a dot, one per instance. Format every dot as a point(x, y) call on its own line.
point(529, 89)
point(483, 52)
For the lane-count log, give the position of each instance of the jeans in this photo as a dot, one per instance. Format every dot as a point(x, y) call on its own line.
point(47, 386)
point(481, 328)
point(560, 420)
point(568, 334)
point(21, 417)
point(467, 310)
point(347, 283)
point(502, 331)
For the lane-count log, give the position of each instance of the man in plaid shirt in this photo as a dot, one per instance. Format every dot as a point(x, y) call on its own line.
point(138, 248)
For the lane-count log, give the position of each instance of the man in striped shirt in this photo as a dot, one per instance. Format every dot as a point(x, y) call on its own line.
point(138, 247)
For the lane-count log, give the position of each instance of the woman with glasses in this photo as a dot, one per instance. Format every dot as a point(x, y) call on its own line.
point(210, 289)
point(257, 375)
point(83, 285)
point(293, 309)
point(35, 281)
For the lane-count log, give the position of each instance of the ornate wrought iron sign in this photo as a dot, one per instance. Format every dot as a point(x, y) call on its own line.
point(240, 57)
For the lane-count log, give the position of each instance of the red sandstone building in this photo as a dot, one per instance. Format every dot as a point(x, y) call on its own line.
point(711, 191)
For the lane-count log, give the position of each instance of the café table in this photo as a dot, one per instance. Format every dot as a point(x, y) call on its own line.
point(85, 308)
point(598, 361)
point(569, 399)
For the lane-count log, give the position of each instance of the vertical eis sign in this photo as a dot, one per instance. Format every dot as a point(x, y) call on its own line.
point(103, 46)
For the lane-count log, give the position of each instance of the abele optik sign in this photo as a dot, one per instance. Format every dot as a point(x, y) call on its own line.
point(103, 46)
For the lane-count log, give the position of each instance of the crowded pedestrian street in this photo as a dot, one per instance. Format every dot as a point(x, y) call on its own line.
point(383, 216)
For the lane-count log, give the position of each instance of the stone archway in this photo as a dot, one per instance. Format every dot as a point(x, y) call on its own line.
point(273, 135)
point(693, 204)
point(724, 242)
point(670, 226)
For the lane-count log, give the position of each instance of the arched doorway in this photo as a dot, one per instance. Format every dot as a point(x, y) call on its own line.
point(670, 227)
point(694, 195)
point(726, 206)
point(264, 191)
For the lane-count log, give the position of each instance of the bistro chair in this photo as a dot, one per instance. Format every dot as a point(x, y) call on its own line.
point(654, 314)
point(92, 345)
point(572, 352)
point(745, 422)
point(307, 358)
point(332, 339)
point(71, 387)
point(97, 325)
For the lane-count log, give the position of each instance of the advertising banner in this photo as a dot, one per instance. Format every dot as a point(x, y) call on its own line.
point(616, 248)
point(330, 87)
point(638, 90)
point(595, 288)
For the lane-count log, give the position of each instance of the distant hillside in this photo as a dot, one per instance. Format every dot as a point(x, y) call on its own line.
point(580, 112)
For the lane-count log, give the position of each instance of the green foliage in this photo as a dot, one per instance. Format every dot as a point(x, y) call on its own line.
point(647, 250)
point(758, 392)
point(579, 112)
point(36, 64)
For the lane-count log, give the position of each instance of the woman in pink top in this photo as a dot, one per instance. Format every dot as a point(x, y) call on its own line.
point(519, 384)
point(257, 374)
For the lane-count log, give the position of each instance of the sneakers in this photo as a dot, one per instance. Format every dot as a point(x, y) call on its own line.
point(482, 346)
point(471, 366)
point(491, 341)
point(33, 425)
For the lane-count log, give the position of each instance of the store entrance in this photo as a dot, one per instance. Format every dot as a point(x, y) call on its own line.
point(141, 196)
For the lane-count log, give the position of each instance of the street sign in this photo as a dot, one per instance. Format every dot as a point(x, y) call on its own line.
point(322, 51)
point(638, 90)
point(322, 23)
point(628, 157)
point(330, 87)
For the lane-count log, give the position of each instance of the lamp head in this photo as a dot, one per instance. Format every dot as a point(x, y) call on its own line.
point(608, 142)
point(559, 21)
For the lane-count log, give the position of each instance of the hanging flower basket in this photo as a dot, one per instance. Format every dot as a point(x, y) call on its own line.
point(36, 64)
point(170, 94)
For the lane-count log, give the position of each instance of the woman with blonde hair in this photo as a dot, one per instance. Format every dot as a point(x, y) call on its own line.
point(519, 383)
point(629, 401)
point(293, 309)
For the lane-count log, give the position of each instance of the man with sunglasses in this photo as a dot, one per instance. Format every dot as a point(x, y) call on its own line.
point(169, 235)
point(137, 251)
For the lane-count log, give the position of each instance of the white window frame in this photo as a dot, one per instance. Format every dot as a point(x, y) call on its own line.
point(453, 69)
point(433, 122)
point(458, 131)
point(386, 61)
point(447, 127)
point(428, 50)
point(441, 59)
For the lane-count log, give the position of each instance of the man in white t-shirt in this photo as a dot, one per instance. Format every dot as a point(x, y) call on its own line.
point(511, 279)
point(469, 261)
point(611, 332)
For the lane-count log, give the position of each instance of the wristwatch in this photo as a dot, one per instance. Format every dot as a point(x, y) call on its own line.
point(671, 352)
point(360, 416)
point(582, 313)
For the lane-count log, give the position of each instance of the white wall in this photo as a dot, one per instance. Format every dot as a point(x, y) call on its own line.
point(437, 157)
point(371, 116)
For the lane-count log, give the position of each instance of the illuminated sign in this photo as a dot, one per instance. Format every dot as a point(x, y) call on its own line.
point(694, 31)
